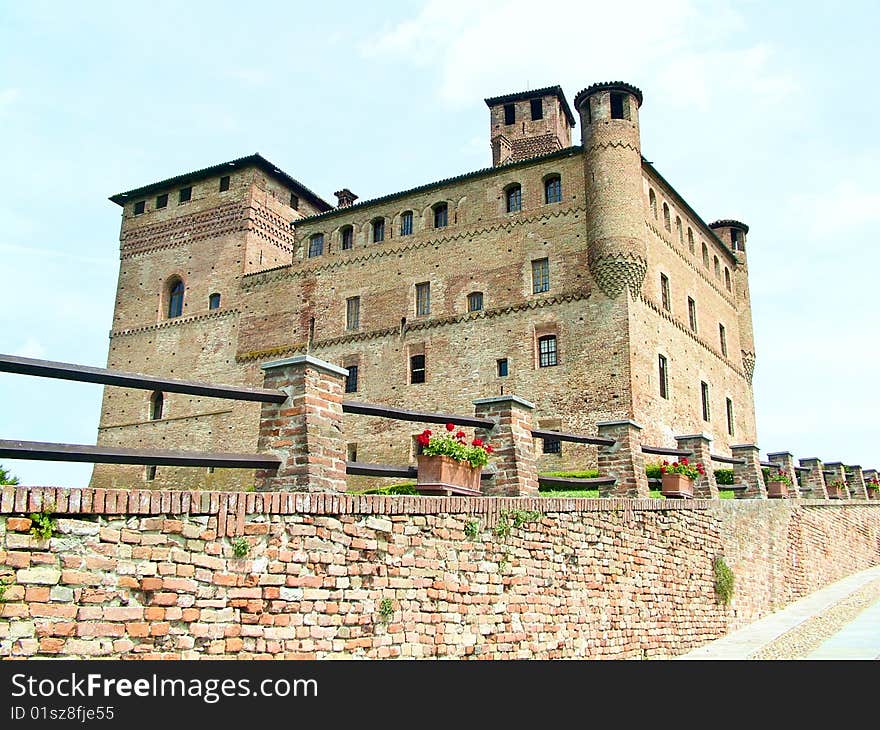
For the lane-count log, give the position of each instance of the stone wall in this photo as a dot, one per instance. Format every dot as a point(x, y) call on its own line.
point(150, 574)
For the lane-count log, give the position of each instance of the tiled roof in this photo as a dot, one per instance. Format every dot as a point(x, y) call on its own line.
point(546, 91)
point(610, 85)
point(729, 222)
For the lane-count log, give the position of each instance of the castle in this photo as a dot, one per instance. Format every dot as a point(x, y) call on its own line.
point(574, 276)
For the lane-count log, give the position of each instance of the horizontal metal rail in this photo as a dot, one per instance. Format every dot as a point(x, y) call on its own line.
point(574, 482)
point(573, 437)
point(666, 452)
point(399, 414)
point(39, 450)
point(768, 463)
point(733, 487)
point(364, 469)
point(87, 374)
point(727, 459)
point(802, 468)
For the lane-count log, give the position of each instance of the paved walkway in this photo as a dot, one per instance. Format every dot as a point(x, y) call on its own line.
point(840, 621)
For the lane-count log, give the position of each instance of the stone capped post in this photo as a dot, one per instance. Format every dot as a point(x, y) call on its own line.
point(785, 464)
point(749, 472)
point(700, 445)
point(624, 460)
point(305, 431)
point(855, 478)
point(814, 480)
point(516, 474)
point(836, 472)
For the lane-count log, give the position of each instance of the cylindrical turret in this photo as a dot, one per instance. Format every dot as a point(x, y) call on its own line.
point(733, 234)
point(609, 115)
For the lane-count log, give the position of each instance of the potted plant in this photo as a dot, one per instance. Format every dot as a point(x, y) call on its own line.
point(777, 484)
point(836, 489)
point(873, 487)
point(677, 479)
point(448, 464)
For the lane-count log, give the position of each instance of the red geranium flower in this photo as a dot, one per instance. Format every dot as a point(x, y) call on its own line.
point(460, 435)
point(450, 426)
point(488, 448)
point(477, 442)
point(684, 460)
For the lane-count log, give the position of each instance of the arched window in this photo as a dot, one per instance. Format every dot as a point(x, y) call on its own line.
point(346, 237)
point(666, 222)
point(214, 301)
point(175, 297)
point(553, 189)
point(378, 230)
point(727, 278)
point(475, 301)
point(679, 230)
point(717, 265)
point(157, 402)
point(652, 201)
point(513, 198)
point(705, 255)
point(691, 240)
point(441, 215)
point(406, 223)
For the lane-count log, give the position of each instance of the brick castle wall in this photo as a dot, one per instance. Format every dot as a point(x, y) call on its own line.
point(150, 574)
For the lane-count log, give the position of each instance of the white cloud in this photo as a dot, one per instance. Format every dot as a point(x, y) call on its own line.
point(31, 348)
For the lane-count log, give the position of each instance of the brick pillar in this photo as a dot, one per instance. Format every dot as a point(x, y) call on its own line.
point(855, 478)
point(700, 445)
point(749, 473)
point(814, 480)
point(785, 462)
point(624, 460)
point(835, 471)
point(516, 473)
point(305, 431)
point(869, 475)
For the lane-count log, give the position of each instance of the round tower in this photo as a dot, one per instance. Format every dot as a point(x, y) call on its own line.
point(733, 235)
point(609, 115)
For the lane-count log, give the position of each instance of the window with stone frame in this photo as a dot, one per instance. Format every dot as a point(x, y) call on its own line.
point(441, 215)
point(417, 369)
point(540, 275)
point(346, 238)
point(475, 301)
point(423, 299)
point(513, 198)
point(353, 313)
point(406, 223)
point(351, 380)
point(553, 189)
point(378, 227)
point(547, 351)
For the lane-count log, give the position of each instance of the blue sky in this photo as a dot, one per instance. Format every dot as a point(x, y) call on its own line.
point(763, 112)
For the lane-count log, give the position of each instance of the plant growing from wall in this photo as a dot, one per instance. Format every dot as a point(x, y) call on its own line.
point(508, 519)
point(3, 586)
point(240, 547)
point(723, 581)
point(43, 525)
point(386, 609)
point(472, 529)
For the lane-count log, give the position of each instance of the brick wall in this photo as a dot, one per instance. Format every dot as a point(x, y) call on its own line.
point(149, 574)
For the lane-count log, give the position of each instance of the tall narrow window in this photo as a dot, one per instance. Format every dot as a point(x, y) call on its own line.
point(679, 230)
point(734, 239)
point(351, 452)
point(727, 278)
point(441, 215)
point(537, 108)
point(664, 291)
point(140, 207)
point(692, 314)
point(417, 369)
point(294, 201)
point(552, 446)
point(224, 183)
point(691, 240)
point(378, 230)
point(352, 313)
point(503, 367)
point(151, 473)
point(162, 201)
point(553, 189)
point(705, 255)
point(351, 380)
point(717, 266)
point(157, 405)
point(722, 337)
point(618, 106)
point(666, 221)
point(513, 198)
point(540, 276)
point(316, 245)
point(406, 223)
point(346, 238)
point(547, 351)
point(214, 301)
point(729, 417)
point(663, 372)
point(475, 301)
point(704, 396)
point(423, 299)
point(184, 195)
point(509, 113)
point(652, 202)
point(175, 298)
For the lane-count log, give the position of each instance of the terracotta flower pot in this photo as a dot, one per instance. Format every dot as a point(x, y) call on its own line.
point(873, 493)
point(445, 475)
point(777, 490)
point(677, 486)
point(834, 492)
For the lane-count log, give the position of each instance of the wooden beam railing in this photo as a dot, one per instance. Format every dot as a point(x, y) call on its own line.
point(400, 414)
point(727, 459)
point(575, 483)
point(572, 437)
point(663, 451)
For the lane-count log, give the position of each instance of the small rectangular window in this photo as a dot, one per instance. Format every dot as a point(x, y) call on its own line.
point(734, 238)
point(663, 372)
point(151, 473)
point(294, 201)
point(540, 275)
point(378, 230)
point(513, 198)
point(552, 446)
point(351, 380)
point(547, 351)
point(730, 417)
point(184, 195)
point(417, 369)
point(316, 245)
point(704, 395)
point(722, 336)
point(441, 215)
point(406, 223)
point(224, 183)
point(214, 301)
point(692, 314)
point(352, 313)
point(537, 108)
point(140, 207)
point(618, 106)
point(509, 113)
point(502, 367)
point(161, 201)
point(664, 291)
point(351, 452)
point(553, 189)
point(347, 238)
point(475, 301)
point(423, 299)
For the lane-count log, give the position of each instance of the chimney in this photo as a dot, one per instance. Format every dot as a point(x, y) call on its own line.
point(346, 198)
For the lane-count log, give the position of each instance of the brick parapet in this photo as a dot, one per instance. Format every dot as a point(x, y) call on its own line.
point(785, 464)
point(624, 460)
point(855, 479)
point(516, 472)
point(700, 445)
point(835, 471)
point(814, 480)
point(749, 472)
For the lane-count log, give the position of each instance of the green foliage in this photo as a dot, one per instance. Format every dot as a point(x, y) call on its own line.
point(386, 609)
point(401, 488)
point(573, 474)
point(657, 494)
point(472, 529)
point(726, 494)
point(653, 471)
point(569, 491)
point(6, 478)
point(454, 444)
point(724, 476)
point(240, 547)
point(776, 476)
point(3, 587)
point(723, 580)
point(576, 493)
point(511, 518)
point(44, 526)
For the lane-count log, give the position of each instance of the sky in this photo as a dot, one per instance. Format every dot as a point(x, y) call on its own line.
point(758, 111)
